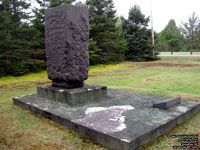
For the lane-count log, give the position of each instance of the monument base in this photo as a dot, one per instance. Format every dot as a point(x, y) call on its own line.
point(67, 85)
point(120, 121)
point(72, 97)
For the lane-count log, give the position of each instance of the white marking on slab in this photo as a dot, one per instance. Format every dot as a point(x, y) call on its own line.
point(89, 89)
point(45, 108)
point(94, 109)
point(122, 119)
point(157, 121)
point(176, 113)
point(119, 119)
point(35, 105)
point(104, 119)
point(125, 140)
point(60, 91)
point(182, 108)
point(28, 103)
point(121, 127)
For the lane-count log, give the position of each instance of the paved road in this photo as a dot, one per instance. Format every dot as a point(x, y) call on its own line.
point(181, 55)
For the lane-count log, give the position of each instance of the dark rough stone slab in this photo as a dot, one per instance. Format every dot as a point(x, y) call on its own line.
point(121, 121)
point(166, 104)
point(72, 97)
point(66, 39)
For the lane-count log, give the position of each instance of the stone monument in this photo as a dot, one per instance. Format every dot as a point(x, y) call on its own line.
point(66, 38)
point(119, 120)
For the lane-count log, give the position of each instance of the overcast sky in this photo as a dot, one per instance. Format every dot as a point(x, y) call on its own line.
point(163, 10)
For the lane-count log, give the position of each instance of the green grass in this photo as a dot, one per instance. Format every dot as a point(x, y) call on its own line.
point(170, 76)
point(42, 76)
point(179, 53)
point(180, 60)
point(30, 77)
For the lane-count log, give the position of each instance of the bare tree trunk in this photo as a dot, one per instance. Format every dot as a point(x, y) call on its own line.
point(192, 43)
point(172, 50)
point(191, 49)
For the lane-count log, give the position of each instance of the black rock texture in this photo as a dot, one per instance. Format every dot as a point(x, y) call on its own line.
point(66, 39)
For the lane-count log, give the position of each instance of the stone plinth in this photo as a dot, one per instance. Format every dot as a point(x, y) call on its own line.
point(72, 97)
point(66, 39)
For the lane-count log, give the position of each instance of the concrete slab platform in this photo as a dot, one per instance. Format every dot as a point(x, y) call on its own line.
point(120, 121)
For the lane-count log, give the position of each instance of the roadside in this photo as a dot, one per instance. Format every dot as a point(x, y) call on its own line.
point(180, 55)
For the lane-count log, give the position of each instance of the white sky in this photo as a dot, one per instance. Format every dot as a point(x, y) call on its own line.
point(163, 10)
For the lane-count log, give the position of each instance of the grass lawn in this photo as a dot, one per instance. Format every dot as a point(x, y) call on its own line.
point(179, 53)
point(170, 76)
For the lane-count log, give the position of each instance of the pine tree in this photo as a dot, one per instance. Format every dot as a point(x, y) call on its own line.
point(54, 3)
point(191, 31)
point(17, 37)
point(93, 52)
point(170, 37)
point(103, 30)
point(137, 35)
point(38, 25)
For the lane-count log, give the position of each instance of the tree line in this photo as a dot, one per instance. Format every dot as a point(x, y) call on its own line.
point(186, 37)
point(112, 39)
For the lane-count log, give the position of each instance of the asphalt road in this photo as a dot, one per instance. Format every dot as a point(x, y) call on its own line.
point(181, 55)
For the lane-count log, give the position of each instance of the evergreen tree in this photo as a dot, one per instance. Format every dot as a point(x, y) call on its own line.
point(190, 31)
point(170, 37)
point(16, 39)
point(93, 52)
point(54, 3)
point(38, 24)
point(103, 30)
point(138, 36)
point(197, 45)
